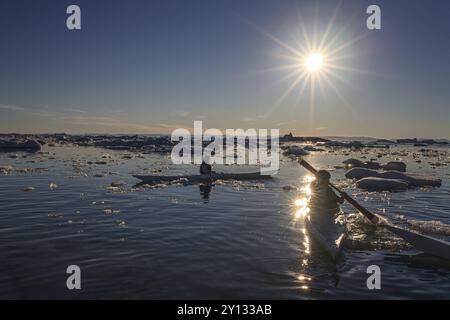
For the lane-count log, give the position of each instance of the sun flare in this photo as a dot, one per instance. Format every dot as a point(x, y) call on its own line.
point(314, 62)
point(317, 60)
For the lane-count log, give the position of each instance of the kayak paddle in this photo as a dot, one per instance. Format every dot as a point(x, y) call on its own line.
point(429, 245)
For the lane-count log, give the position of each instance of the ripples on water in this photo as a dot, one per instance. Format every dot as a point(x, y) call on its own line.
point(235, 240)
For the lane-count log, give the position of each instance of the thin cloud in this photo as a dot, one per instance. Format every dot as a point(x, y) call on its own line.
point(11, 107)
point(286, 123)
point(184, 114)
point(117, 111)
point(110, 123)
point(106, 123)
point(172, 126)
point(254, 118)
point(181, 114)
point(77, 111)
point(188, 114)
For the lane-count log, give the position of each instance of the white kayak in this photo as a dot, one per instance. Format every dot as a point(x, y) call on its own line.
point(204, 177)
point(326, 232)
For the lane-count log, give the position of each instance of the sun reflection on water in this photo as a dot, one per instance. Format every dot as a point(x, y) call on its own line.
point(301, 203)
point(306, 190)
point(301, 211)
point(309, 178)
point(304, 278)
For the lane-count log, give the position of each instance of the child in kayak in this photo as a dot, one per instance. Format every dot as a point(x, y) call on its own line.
point(322, 196)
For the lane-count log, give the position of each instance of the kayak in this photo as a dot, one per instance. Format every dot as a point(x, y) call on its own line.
point(326, 232)
point(204, 177)
point(429, 245)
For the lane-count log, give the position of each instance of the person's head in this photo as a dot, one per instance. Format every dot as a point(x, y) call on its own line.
point(203, 162)
point(323, 176)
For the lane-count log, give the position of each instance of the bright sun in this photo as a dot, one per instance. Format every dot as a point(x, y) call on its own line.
point(314, 62)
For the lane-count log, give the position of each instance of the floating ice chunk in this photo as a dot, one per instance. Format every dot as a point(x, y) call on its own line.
point(118, 184)
point(395, 165)
point(295, 151)
point(381, 184)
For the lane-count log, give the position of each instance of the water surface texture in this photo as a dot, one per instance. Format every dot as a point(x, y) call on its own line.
point(236, 240)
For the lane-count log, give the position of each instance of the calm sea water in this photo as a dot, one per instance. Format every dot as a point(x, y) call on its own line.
point(237, 240)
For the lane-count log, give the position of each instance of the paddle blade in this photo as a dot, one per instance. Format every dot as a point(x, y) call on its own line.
point(431, 246)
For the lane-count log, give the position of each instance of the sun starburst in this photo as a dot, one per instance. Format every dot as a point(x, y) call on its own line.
point(316, 59)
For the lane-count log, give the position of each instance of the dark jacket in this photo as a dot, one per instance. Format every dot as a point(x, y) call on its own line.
point(322, 196)
point(205, 168)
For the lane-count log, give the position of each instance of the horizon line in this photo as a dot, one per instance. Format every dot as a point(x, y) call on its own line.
point(168, 134)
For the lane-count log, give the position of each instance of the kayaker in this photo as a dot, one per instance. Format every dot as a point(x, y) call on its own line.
point(205, 168)
point(322, 196)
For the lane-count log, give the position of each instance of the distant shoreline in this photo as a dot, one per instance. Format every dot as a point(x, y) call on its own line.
point(336, 138)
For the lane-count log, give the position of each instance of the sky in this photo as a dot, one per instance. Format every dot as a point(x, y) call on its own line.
point(153, 66)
